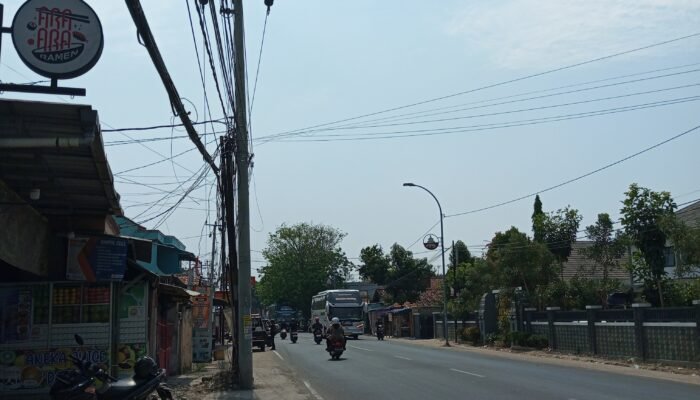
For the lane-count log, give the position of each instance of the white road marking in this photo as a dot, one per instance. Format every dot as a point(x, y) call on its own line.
point(278, 355)
point(313, 392)
point(468, 373)
point(403, 358)
point(359, 348)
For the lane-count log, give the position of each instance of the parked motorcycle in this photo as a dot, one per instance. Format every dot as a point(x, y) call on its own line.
point(294, 336)
point(335, 349)
point(283, 334)
point(380, 331)
point(318, 336)
point(79, 383)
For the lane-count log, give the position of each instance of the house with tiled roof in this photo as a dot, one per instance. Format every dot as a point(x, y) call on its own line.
point(580, 265)
point(690, 215)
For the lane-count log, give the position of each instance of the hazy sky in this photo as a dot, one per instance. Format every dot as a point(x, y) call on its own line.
point(325, 61)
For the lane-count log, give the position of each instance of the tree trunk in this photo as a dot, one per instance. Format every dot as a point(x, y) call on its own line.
point(661, 292)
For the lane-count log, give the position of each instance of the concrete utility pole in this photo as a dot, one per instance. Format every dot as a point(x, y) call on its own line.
point(454, 275)
point(245, 336)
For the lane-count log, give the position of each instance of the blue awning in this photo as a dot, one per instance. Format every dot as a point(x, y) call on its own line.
point(151, 268)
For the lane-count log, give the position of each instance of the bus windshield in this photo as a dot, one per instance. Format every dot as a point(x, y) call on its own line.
point(346, 313)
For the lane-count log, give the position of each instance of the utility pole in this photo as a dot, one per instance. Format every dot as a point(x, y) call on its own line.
point(230, 225)
point(454, 275)
point(212, 289)
point(245, 351)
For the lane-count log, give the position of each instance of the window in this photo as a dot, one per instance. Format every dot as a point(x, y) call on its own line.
point(670, 256)
point(347, 313)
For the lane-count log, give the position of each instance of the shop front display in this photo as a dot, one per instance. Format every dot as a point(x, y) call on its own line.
point(133, 328)
point(39, 322)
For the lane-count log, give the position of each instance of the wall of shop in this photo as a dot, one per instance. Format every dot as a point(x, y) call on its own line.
point(24, 234)
point(38, 322)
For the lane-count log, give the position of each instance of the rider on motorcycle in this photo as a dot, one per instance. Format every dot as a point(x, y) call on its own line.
point(317, 326)
point(335, 332)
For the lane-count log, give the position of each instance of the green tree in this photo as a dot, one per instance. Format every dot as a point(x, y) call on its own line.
point(560, 229)
point(408, 276)
point(686, 245)
point(472, 279)
point(537, 220)
point(375, 265)
point(642, 214)
point(303, 259)
point(607, 248)
point(606, 251)
point(518, 261)
point(459, 253)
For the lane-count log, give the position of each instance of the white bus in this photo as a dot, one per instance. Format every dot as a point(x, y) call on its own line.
point(345, 304)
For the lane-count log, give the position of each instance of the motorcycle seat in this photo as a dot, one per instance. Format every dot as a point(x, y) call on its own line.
point(127, 387)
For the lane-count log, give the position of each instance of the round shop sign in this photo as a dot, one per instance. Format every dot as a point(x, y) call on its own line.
point(431, 242)
point(58, 39)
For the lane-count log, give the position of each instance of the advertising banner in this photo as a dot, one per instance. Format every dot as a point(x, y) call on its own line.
point(201, 312)
point(96, 259)
point(34, 371)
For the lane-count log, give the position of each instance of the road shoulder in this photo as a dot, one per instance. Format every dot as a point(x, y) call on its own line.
point(273, 380)
point(684, 375)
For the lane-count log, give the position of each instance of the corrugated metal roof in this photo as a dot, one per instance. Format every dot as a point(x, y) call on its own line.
point(72, 180)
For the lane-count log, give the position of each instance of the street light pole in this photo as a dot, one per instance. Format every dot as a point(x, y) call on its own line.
point(444, 276)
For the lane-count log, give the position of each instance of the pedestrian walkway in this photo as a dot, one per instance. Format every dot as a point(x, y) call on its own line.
point(273, 380)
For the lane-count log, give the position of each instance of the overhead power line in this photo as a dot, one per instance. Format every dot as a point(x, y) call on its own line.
point(425, 112)
point(393, 123)
point(521, 110)
point(490, 126)
point(415, 114)
point(257, 69)
point(595, 171)
point(152, 127)
point(144, 32)
point(502, 83)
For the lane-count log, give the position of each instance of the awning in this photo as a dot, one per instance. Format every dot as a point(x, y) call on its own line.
point(176, 291)
point(57, 149)
point(152, 268)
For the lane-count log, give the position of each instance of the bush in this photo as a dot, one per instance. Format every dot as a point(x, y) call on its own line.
point(537, 341)
point(519, 338)
point(471, 334)
point(491, 339)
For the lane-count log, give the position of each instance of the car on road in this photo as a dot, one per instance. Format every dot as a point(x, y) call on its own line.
point(261, 331)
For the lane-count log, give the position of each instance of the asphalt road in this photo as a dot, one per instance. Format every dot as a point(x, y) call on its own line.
point(371, 369)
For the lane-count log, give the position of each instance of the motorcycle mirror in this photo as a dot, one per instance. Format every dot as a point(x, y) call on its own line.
point(78, 339)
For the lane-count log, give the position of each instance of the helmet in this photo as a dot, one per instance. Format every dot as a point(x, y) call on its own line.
point(335, 320)
point(145, 367)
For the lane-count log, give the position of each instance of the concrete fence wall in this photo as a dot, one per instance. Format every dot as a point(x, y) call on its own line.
point(438, 328)
point(655, 334)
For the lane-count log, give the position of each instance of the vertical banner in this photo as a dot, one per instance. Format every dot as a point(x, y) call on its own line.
point(201, 332)
point(201, 311)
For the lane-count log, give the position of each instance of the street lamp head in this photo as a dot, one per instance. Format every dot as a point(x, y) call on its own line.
point(409, 184)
